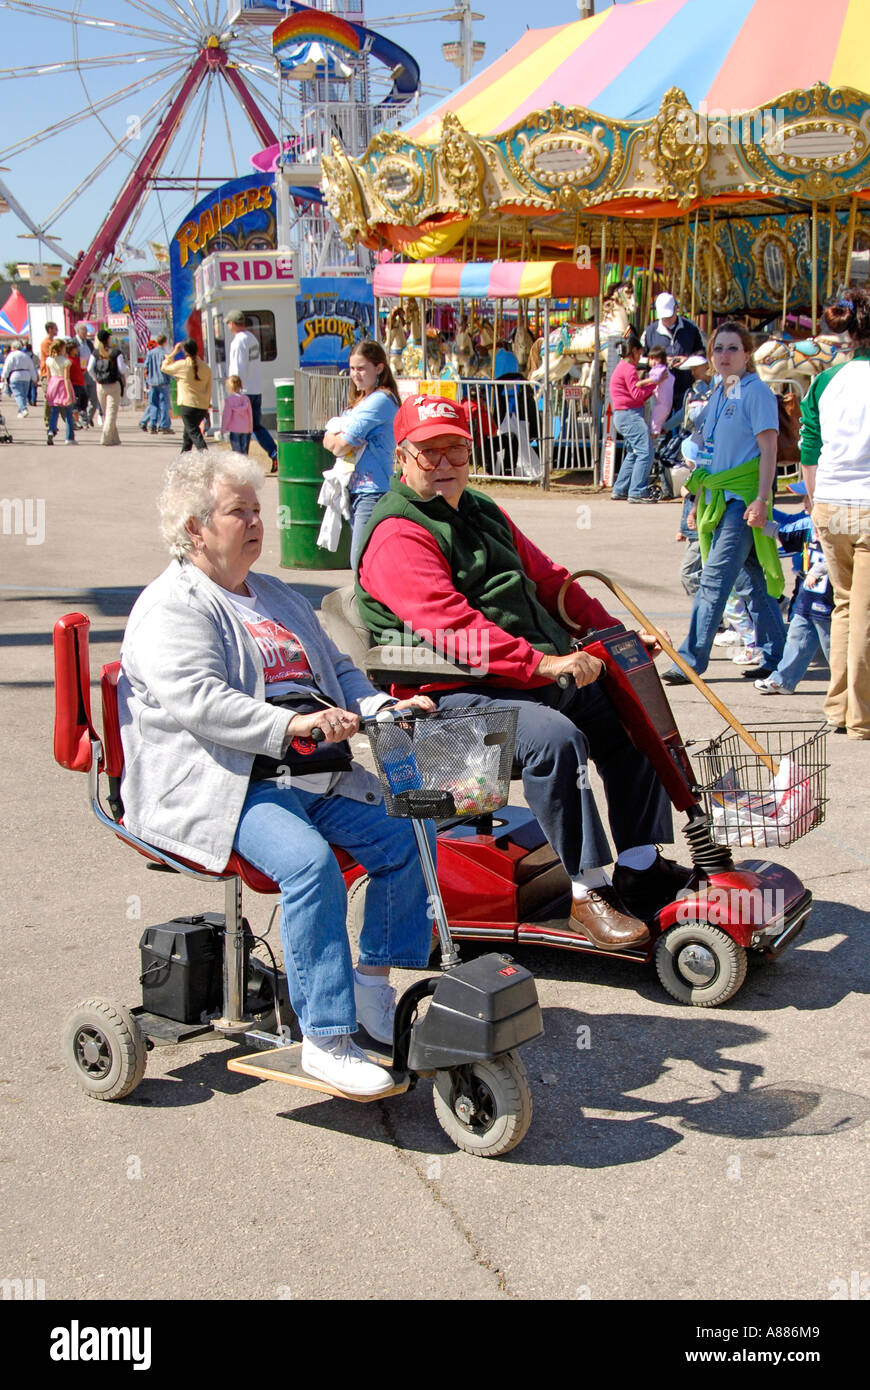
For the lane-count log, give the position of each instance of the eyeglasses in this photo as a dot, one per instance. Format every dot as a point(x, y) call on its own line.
point(457, 455)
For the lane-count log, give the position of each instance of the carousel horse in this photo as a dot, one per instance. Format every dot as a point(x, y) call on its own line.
point(573, 341)
point(463, 347)
point(783, 360)
point(522, 342)
point(412, 358)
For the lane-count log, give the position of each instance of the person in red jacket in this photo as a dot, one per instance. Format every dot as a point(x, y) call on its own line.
point(447, 564)
point(629, 395)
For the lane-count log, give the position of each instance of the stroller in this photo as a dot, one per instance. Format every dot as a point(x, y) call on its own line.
point(5, 436)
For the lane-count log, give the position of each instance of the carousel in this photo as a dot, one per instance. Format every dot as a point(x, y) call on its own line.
point(721, 153)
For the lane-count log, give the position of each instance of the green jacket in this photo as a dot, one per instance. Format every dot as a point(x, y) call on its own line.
point(743, 479)
point(476, 541)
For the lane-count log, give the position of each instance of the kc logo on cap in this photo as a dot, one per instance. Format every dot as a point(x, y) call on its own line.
point(424, 417)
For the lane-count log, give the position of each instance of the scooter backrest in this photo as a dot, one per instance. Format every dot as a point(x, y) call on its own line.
point(73, 728)
point(113, 752)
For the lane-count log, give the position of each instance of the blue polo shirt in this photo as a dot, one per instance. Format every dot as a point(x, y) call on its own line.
point(730, 422)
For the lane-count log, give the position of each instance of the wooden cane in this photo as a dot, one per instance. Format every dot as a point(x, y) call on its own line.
point(665, 645)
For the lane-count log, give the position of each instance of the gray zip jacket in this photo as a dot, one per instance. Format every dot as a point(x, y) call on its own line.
point(193, 713)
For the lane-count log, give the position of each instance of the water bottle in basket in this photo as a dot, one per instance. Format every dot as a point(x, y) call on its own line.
point(400, 764)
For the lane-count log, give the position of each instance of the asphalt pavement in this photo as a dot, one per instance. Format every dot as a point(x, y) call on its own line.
point(674, 1153)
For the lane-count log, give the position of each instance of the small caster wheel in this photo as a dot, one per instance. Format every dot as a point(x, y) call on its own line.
point(699, 964)
point(104, 1049)
point(485, 1108)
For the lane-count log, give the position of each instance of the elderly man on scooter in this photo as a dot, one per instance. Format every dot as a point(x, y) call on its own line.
point(446, 564)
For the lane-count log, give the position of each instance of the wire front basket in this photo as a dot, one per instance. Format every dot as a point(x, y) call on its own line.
point(452, 762)
point(750, 804)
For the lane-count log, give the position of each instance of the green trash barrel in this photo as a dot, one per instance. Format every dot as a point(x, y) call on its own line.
point(284, 405)
point(302, 461)
point(173, 398)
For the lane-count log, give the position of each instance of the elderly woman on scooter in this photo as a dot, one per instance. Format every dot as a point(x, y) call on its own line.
point(225, 673)
point(733, 486)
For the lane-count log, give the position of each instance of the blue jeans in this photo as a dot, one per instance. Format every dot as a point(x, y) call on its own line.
point(261, 434)
point(804, 637)
point(157, 411)
point(67, 412)
point(287, 834)
point(731, 558)
point(633, 475)
point(362, 504)
point(19, 386)
point(239, 443)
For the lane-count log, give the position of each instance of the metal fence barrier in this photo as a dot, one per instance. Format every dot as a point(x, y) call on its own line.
point(506, 418)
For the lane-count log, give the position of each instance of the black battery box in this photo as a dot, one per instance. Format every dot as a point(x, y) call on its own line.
point(182, 967)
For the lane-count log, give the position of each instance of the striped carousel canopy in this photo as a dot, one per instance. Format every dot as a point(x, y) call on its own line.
point(733, 56)
point(483, 280)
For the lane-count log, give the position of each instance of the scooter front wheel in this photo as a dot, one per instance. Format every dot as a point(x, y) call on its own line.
point(485, 1107)
point(700, 965)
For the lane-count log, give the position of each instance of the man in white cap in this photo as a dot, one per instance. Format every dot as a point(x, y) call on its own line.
point(679, 337)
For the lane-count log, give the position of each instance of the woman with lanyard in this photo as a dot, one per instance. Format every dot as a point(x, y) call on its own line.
point(363, 434)
point(733, 486)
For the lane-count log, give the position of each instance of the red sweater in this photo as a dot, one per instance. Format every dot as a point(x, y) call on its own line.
point(626, 391)
point(403, 567)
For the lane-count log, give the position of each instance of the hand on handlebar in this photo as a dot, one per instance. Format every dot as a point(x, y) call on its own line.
point(335, 725)
point(651, 643)
point(421, 702)
point(580, 667)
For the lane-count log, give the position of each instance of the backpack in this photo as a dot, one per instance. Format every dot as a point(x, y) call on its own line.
point(106, 368)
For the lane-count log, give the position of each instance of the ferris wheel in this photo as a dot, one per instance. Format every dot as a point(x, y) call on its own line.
point(157, 97)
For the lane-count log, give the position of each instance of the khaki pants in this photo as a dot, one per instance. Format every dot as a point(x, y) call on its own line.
point(844, 532)
point(109, 398)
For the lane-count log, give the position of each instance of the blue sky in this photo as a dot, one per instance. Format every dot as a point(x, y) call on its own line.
point(43, 176)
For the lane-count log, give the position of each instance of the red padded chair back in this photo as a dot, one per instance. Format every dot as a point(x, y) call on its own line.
point(73, 729)
point(113, 752)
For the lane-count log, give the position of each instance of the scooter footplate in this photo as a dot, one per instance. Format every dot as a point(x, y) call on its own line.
point(285, 1064)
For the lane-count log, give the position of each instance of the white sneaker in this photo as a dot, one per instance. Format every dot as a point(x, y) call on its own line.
point(728, 638)
point(342, 1064)
point(748, 656)
point(375, 1009)
point(22, 414)
point(771, 687)
point(70, 441)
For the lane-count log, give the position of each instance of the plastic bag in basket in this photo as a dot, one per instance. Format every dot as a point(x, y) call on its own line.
point(784, 813)
point(472, 767)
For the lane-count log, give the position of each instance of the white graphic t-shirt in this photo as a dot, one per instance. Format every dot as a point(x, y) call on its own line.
point(286, 668)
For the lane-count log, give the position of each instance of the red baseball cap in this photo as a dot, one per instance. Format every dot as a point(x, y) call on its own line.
point(424, 417)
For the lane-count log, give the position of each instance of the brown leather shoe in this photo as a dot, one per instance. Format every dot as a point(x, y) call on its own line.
point(606, 927)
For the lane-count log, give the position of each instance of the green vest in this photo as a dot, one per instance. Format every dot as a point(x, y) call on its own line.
point(477, 544)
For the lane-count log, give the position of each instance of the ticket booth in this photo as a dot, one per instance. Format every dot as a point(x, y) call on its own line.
point(263, 285)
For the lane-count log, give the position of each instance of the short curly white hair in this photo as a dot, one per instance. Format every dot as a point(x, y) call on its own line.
point(188, 491)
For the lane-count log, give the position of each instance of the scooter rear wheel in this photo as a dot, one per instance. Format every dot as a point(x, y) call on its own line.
point(486, 1107)
point(104, 1048)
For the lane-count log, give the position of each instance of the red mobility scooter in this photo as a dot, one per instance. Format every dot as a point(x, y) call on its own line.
point(200, 974)
point(501, 881)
